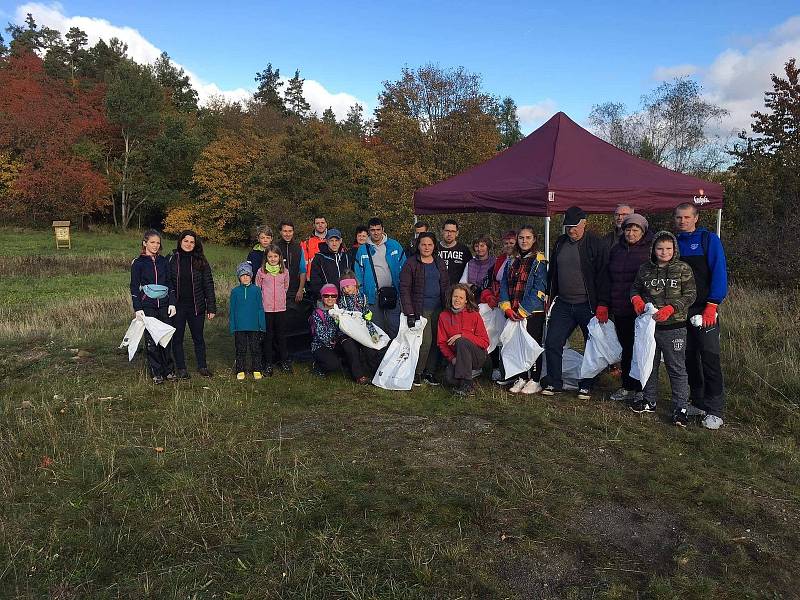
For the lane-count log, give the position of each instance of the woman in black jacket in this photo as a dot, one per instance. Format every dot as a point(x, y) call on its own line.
point(192, 284)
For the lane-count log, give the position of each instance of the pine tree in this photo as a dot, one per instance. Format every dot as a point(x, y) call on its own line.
point(329, 118)
point(353, 123)
point(176, 81)
point(269, 85)
point(295, 102)
point(508, 123)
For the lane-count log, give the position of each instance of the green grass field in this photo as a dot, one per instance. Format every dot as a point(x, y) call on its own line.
point(295, 487)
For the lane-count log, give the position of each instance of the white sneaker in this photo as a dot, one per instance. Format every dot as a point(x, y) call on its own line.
point(712, 422)
point(532, 387)
point(476, 373)
point(518, 385)
point(496, 375)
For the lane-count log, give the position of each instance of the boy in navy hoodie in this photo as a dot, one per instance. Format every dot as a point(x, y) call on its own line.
point(247, 322)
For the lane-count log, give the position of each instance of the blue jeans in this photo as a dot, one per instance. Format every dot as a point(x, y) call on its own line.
point(564, 318)
point(387, 319)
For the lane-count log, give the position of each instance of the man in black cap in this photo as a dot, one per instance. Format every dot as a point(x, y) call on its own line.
point(578, 287)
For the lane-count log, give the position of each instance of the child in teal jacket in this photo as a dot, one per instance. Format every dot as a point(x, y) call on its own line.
point(247, 323)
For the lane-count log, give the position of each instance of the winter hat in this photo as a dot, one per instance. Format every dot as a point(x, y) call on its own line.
point(636, 219)
point(329, 289)
point(573, 216)
point(333, 233)
point(346, 282)
point(244, 268)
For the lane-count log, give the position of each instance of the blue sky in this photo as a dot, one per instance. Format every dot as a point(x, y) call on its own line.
point(548, 57)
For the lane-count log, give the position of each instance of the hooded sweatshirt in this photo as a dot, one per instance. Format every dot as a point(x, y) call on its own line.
point(670, 284)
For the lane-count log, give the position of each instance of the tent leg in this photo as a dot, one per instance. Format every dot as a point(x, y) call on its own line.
point(719, 222)
point(547, 238)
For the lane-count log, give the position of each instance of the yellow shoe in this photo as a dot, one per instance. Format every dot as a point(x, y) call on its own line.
point(240, 376)
point(257, 375)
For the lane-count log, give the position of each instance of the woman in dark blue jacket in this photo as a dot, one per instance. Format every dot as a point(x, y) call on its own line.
point(191, 282)
point(151, 297)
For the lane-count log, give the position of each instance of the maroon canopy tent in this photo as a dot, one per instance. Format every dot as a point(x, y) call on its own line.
point(561, 165)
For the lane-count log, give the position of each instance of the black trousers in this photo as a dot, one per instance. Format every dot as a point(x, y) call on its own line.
point(626, 331)
point(159, 359)
point(468, 357)
point(359, 360)
point(248, 342)
point(275, 338)
point(185, 316)
point(535, 327)
point(704, 368)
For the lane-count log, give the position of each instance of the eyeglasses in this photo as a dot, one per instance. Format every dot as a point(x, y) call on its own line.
point(330, 295)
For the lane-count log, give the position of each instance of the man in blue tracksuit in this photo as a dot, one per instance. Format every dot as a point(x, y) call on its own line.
point(703, 251)
point(377, 266)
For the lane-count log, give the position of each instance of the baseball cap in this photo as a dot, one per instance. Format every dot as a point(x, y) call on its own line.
point(573, 216)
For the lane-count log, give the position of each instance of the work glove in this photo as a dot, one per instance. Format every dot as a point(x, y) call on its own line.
point(512, 314)
point(664, 313)
point(710, 315)
point(139, 315)
point(488, 298)
point(411, 320)
point(171, 311)
point(638, 304)
point(368, 315)
point(601, 313)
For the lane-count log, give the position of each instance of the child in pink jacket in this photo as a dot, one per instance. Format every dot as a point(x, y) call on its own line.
point(273, 279)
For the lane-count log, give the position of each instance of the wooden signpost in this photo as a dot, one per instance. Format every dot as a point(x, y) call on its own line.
point(61, 229)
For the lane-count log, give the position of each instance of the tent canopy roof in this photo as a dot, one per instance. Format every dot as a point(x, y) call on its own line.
point(561, 165)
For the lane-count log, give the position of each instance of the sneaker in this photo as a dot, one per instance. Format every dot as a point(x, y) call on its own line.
point(158, 380)
point(693, 411)
point(417, 380)
point(430, 379)
point(497, 375)
point(477, 373)
point(465, 389)
point(267, 372)
point(712, 422)
point(205, 372)
point(363, 380)
point(317, 371)
point(240, 376)
point(181, 374)
point(286, 367)
point(532, 387)
point(505, 381)
point(257, 375)
point(517, 387)
point(641, 406)
point(171, 377)
point(623, 395)
point(550, 390)
point(584, 394)
point(680, 418)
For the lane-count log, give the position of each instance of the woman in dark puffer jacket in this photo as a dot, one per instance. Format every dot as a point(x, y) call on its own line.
point(624, 261)
point(193, 285)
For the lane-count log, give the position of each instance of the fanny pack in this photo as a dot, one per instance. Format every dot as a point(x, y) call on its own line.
point(386, 296)
point(154, 291)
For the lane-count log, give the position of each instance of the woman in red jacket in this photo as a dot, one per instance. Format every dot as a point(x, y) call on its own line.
point(462, 338)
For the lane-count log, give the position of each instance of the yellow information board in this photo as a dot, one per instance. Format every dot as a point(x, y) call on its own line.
point(61, 229)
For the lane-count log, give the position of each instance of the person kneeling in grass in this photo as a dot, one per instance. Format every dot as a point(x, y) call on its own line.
point(329, 345)
point(462, 339)
point(668, 283)
point(247, 323)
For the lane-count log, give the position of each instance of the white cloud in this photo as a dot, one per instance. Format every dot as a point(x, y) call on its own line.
point(142, 51)
point(739, 76)
point(533, 115)
point(666, 73)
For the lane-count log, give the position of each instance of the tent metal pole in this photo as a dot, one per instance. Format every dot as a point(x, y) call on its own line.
point(547, 238)
point(719, 222)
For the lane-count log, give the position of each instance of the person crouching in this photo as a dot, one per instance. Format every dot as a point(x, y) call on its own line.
point(462, 338)
point(247, 323)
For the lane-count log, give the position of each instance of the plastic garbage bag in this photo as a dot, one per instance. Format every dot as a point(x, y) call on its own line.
point(571, 361)
point(495, 320)
point(644, 344)
point(160, 332)
point(518, 349)
point(396, 371)
point(353, 325)
point(602, 348)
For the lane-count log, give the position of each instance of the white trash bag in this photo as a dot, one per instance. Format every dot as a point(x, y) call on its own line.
point(353, 325)
point(644, 344)
point(160, 332)
point(518, 349)
point(571, 361)
point(396, 371)
point(495, 320)
point(602, 348)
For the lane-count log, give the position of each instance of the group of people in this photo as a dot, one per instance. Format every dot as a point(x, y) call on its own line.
point(678, 278)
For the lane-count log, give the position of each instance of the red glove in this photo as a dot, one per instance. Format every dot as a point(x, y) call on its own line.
point(664, 313)
point(601, 313)
point(710, 315)
point(638, 304)
point(511, 314)
point(488, 298)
